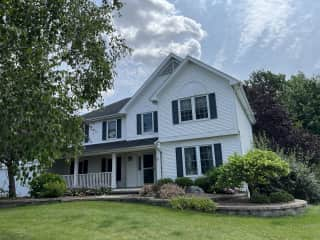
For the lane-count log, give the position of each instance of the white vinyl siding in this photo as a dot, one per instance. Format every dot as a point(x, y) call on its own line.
point(230, 145)
point(194, 81)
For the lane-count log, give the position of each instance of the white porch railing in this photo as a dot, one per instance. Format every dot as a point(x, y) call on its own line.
point(89, 180)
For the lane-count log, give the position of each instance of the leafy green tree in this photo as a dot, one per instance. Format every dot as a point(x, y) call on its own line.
point(256, 168)
point(302, 98)
point(56, 56)
point(265, 91)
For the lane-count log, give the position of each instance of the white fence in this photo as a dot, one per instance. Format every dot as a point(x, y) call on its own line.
point(89, 180)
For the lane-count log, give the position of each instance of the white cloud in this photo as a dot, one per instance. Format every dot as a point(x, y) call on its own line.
point(267, 19)
point(220, 58)
point(153, 28)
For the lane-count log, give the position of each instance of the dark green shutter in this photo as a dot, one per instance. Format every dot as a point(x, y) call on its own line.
point(175, 112)
point(138, 124)
point(155, 121)
point(103, 165)
point(213, 106)
point(104, 130)
point(218, 154)
point(86, 133)
point(119, 128)
point(179, 162)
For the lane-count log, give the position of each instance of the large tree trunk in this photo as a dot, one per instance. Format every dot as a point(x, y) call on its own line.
point(12, 182)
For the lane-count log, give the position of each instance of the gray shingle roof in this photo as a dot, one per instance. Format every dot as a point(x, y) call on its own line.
point(107, 110)
point(103, 147)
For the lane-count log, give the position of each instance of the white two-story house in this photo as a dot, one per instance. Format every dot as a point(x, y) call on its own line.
point(186, 118)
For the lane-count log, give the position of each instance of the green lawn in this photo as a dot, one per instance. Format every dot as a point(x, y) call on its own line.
point(105, 220)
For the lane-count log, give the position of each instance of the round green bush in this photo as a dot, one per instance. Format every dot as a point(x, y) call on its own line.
point(256, 168)
point(47, 185)
point(259, 198)
point(281, 197)
point(163, 181)
point(184, 182)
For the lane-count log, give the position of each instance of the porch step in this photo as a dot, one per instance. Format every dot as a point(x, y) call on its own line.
point(125, 191)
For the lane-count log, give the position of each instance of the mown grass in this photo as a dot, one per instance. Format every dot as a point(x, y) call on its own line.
point(105, 220)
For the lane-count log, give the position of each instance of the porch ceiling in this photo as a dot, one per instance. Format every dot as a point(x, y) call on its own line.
point(118, 146)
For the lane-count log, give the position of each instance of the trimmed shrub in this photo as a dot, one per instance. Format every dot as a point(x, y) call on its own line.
point(281, 197)
point(184, 182)
point(47, 185)
point(256, 168)
point(163, 181)
point(259, 198)
point(204, 183)
point(170, 190)
point(193, 203)
point(53, 189)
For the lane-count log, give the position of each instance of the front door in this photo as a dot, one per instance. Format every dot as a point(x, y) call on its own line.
point(148, 171)
point(132, 171)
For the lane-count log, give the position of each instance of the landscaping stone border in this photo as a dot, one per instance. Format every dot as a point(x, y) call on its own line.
point(263, 210)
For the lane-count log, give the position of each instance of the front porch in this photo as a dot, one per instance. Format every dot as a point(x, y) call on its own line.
point(116, 170)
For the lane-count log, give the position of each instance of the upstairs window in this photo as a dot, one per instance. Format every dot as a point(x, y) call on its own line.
point(147, 122)
point(186, 109)
point(201, 105)
point(112, 129)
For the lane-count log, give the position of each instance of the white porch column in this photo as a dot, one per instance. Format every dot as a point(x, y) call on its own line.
point(114, 169)
point(158, 161)
point(75, 173)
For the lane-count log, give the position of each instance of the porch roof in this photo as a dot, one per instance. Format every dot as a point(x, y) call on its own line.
point(118, 146)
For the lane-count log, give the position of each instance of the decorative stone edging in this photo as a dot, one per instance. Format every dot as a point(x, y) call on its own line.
point(266, 210)
point(263, 210)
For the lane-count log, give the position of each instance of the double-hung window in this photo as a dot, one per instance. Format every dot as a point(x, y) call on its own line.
point(186, 109)
point(190, 160)
point(201, 105)
point(112, 129)
point(197, 160)
point(147, 122)
point(206, 158)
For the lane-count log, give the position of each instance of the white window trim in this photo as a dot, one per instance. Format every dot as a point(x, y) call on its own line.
point(197, 147)
point(107, 130)
point(111, 120)
point(193, 108)
point(207, 100)
point(179, 109)
point(152, 121)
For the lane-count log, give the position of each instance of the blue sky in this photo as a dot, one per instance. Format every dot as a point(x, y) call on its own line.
point(235, 36)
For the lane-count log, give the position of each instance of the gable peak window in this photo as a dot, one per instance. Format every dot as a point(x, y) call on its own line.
point(186, 109)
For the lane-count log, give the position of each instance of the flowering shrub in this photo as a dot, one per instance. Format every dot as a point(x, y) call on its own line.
point(170, 190)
